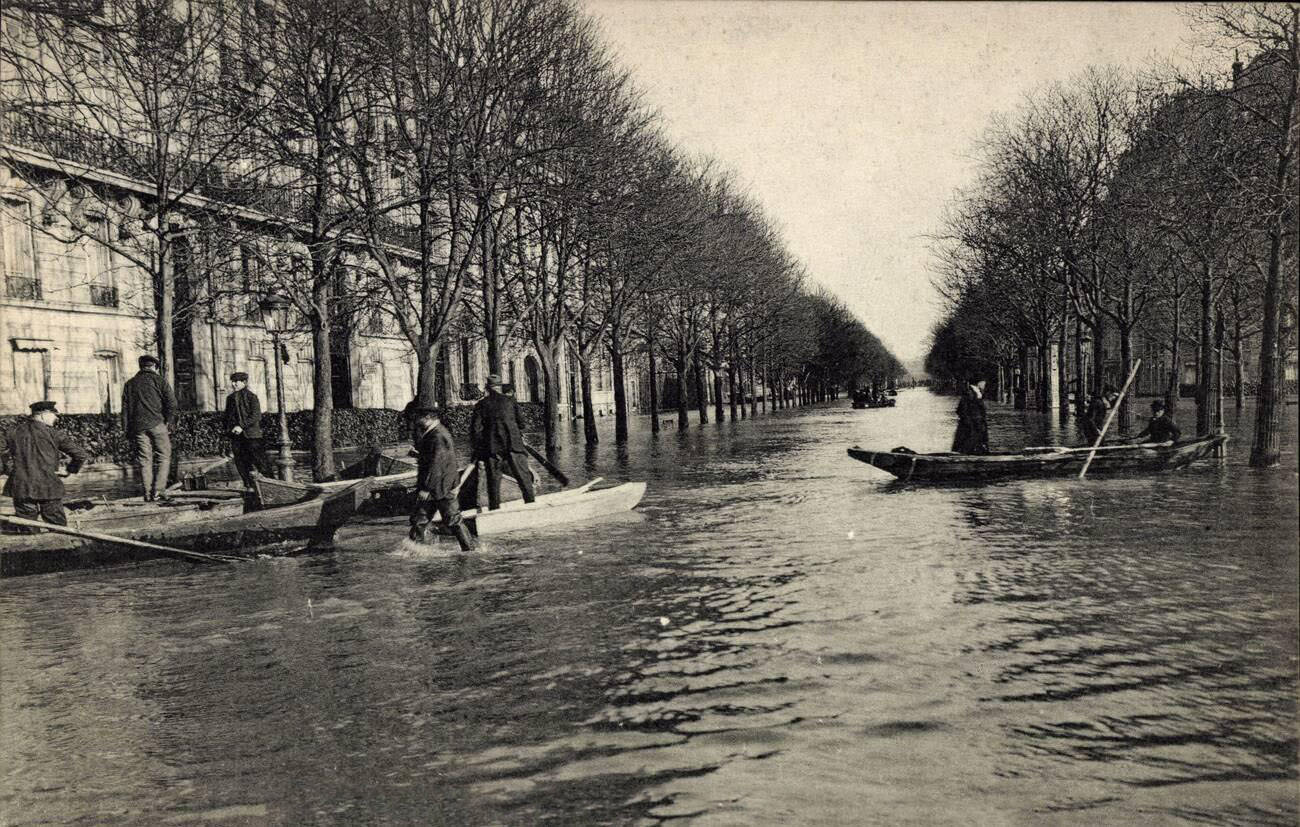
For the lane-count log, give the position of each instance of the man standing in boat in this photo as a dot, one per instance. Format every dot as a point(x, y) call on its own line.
point(972, 435)
point(33, 465)
point(495, 432)
point(244, 425)
point(437, 480)
point(148, 406)
point(1160, 428)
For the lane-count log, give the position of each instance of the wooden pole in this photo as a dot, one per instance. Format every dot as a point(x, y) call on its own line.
point(545, 463)
point(191, 556)
point(1110, 415)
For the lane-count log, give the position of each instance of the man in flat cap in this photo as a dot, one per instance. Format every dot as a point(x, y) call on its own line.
point(33, 465)
point(244, 425)
point(148, 406)
point(495, 433)
point(437, 479)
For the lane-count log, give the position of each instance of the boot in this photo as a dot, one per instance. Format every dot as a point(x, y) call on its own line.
point(461, 532)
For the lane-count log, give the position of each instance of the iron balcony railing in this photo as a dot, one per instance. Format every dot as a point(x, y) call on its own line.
point(103, 295)
point(22, 287)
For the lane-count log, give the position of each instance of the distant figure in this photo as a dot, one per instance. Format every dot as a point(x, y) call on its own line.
point(33, 465)
point(148, 407)
point(495, 432)
point(972, 421)
point(437, 479)
point(244, 425)
point(1161, 427)
point(1096, 414)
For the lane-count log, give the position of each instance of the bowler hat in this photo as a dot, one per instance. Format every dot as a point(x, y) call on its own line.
point(494, 380)
point(46, 405)
point(239, 376)
point(148, 361)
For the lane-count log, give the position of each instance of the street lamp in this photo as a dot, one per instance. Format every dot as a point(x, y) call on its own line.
point(276, 317)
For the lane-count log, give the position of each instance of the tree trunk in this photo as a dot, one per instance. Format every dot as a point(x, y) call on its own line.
point(1175, 356)
point(1126, 363)
point(701, 398)
point(165, 311)
point(654, 389)
point(717, 386)
point(426, 377)
point(1265, 451)
point(1080, 379)
point(1062, 375)
point(620, 390)
point(1099, 354)
point(731, 388)
point(1238, 366)
point(588, 410)
point(322, 454)
point(549, 360)
point(682, 414)
point(1205, 360)
point(488, 289)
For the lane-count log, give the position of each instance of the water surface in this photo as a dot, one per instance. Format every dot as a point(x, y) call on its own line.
point(778, 635)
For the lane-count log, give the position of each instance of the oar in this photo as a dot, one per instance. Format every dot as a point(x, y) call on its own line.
point(192, 556)
point(1110, 415)
point(219, 461)
point(545, 463)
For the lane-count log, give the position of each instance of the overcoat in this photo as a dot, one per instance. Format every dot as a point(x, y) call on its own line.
point(496, 426)
point(34, 449)
point(244, 409)
point(438, 473)
point(972, 435)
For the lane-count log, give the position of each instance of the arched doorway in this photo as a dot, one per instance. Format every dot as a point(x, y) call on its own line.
point(530, 376)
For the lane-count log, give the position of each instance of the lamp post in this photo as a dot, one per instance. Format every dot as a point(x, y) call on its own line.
point(275, 315)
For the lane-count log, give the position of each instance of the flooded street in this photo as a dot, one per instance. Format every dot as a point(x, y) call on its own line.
point(778, 635)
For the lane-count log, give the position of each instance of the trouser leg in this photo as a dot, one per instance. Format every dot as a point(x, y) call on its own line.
point(52, 512)
point(144, 460)
point(27, 510)
point(257, 450)
point(494, 482)
point(519, 468)
point(162, 445)
point(243, 460)
point(451, 519)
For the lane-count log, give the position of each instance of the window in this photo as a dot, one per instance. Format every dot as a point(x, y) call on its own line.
point(375, 323)
point(99, 264)
point(17, 257)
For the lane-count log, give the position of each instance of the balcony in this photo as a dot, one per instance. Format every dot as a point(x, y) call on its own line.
point(103, 295)
point(22, 287)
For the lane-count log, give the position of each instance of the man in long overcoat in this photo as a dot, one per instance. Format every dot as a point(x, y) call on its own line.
point(437, 479)
point(244, 425)
point(33, 463)
point(495, 432)
point(972, 435)
point(148, 406)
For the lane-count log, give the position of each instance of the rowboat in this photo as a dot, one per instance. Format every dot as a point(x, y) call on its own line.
point(194, 520)
point(886, 403)
point(584, 503)
point(385, 473)
point(1048, 461)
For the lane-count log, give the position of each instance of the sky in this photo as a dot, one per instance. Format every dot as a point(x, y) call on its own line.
point(854, 123)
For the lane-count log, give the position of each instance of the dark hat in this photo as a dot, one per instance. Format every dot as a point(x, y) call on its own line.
point(493, 380)
point(239, 376)
point(416, 413)
point(148, 361)
point(37, 407)
point(1157, 404)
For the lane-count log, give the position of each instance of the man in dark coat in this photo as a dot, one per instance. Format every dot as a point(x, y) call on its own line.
point(1160, 428)
point(244, 424)
point(148, 407)
point(495, 435)
point(437, 480)
point(972, 435)
point(33, 464)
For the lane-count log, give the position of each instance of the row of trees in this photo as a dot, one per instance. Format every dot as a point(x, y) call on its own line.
point(479, 167)
point(1159, 208)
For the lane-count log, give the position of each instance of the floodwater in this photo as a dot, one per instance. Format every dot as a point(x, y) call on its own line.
point(778, 635)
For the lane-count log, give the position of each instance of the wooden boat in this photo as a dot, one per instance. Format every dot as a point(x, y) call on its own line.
point(1038, 462)
point(864, 403)
point(384, 472)
point(203, 521)
point(583, 503)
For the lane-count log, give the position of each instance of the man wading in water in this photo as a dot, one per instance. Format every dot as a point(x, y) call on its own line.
point(438, 480)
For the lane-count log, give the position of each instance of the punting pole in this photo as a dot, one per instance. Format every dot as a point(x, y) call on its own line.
point(1109, 416)
point(191, 556)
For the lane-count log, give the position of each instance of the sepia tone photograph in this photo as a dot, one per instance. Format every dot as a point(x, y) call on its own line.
point(633, 412)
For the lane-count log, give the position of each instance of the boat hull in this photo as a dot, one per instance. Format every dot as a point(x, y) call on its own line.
point(314, 520)
point(1063, 462)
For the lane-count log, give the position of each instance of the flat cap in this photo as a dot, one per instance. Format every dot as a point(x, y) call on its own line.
point(45, 405)
point(239, 376)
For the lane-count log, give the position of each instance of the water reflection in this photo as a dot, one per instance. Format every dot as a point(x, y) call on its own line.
point(768, 640)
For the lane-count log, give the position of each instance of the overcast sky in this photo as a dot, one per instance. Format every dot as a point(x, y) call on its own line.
point(853, 123)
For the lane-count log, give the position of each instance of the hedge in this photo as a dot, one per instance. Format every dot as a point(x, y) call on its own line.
point(202, 433)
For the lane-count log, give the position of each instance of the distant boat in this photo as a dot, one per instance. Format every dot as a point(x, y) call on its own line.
point(1038, 462)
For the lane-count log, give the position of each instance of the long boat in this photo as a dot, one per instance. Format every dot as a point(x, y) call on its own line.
point(576, 504)
point(1038, 462)
point(385, 473)
point(193, 520)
